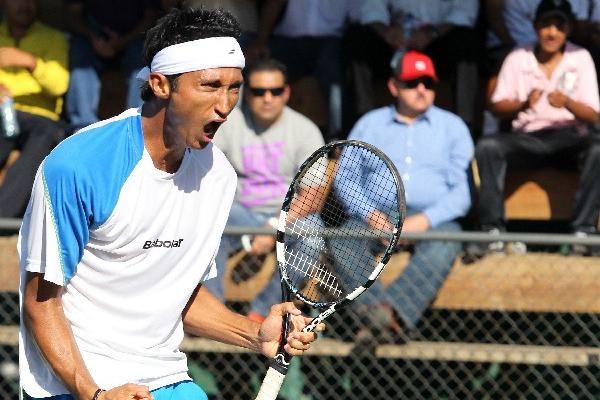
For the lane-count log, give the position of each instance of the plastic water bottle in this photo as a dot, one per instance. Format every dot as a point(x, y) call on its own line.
point(8, 118)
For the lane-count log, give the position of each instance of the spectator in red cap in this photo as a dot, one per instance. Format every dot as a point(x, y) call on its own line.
point(549, 91)
point(444, 30)
point(432, 149)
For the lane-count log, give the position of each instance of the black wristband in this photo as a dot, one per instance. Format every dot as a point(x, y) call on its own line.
point(97, 394)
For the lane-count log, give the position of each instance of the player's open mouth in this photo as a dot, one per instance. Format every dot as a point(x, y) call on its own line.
point(211, 128)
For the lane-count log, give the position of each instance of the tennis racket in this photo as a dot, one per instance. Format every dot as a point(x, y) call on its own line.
point(314, 217)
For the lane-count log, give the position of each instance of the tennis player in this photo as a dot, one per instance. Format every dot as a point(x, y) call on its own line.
point(123, 227)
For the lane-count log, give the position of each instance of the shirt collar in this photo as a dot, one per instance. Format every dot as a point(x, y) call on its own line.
point(531, 64)
point(426, 116)
point(5, 33)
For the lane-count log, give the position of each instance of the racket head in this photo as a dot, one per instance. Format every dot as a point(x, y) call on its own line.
point(316, 189)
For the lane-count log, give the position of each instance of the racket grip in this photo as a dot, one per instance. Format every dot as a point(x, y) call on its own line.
point(270, 385)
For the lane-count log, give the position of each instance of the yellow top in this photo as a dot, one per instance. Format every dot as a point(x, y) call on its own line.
point(39, 92)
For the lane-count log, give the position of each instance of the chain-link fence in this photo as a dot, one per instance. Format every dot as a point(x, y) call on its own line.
point(510, 325)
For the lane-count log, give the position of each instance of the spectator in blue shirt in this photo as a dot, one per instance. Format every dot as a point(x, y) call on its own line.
point(432, 150)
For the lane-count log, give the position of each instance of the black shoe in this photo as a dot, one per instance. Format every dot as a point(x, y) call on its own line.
point(474, 251)
point(379, 324)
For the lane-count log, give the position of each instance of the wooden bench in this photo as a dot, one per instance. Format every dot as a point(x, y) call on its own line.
point(542, 195)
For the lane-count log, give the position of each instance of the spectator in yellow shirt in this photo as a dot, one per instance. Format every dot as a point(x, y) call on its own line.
point(34, 75)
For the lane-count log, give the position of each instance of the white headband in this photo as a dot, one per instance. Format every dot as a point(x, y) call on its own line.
point(214, 52)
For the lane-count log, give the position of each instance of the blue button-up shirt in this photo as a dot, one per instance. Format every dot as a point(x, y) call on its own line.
point(432, 156)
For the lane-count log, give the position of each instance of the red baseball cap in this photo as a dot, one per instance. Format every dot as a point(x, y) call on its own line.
point(414, 65)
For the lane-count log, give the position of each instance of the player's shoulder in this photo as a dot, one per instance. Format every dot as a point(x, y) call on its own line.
point(94, 149)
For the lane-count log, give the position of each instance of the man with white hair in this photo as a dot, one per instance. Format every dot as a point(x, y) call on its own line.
point(123, 227)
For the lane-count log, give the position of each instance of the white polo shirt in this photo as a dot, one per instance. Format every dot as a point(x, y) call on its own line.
point(129, 243)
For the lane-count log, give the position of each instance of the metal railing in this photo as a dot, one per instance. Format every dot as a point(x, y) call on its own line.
point(13, 225)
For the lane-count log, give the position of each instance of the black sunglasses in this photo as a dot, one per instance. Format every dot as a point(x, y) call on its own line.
point(259, 92)
point(428, 82)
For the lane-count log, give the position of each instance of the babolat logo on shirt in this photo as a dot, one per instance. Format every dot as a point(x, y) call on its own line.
point(162, 243)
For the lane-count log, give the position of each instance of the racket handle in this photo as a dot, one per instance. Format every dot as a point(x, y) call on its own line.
point(270, 385)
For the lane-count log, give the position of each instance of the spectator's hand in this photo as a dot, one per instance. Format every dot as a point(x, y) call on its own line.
point(394, 37)
point(102, 47)
point(534, 96)
point(416, 223)
point(262, 244)
point(297, 341)
point(378, 221)
point(14, 57)
point(129, 391)
point(256, 51)
point(558, 99)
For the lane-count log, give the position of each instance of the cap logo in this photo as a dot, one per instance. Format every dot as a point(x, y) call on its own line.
point(420, 65)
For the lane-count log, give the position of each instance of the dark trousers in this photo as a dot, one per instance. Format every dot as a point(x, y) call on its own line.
point(562, 148)
point(38, 137)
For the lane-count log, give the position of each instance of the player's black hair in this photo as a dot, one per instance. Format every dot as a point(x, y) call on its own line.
point(268, 64)
point(185, 24)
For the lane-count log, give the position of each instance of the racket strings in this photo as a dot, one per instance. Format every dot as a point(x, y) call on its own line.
point(330, 248)
point(365, 185)
point(307, 266)
point(310, 275)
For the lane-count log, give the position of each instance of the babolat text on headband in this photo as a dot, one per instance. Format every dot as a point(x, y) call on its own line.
point(214, 52)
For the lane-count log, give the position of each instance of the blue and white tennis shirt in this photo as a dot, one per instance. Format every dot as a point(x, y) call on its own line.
point(129, 243)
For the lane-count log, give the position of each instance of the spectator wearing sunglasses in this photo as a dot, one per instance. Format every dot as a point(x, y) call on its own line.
point(444, 30)
point(432, 149)
point(266, 142)
point(549, 92)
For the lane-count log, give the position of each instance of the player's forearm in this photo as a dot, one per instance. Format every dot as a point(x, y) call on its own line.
point(206, 316)
point(46, 322)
